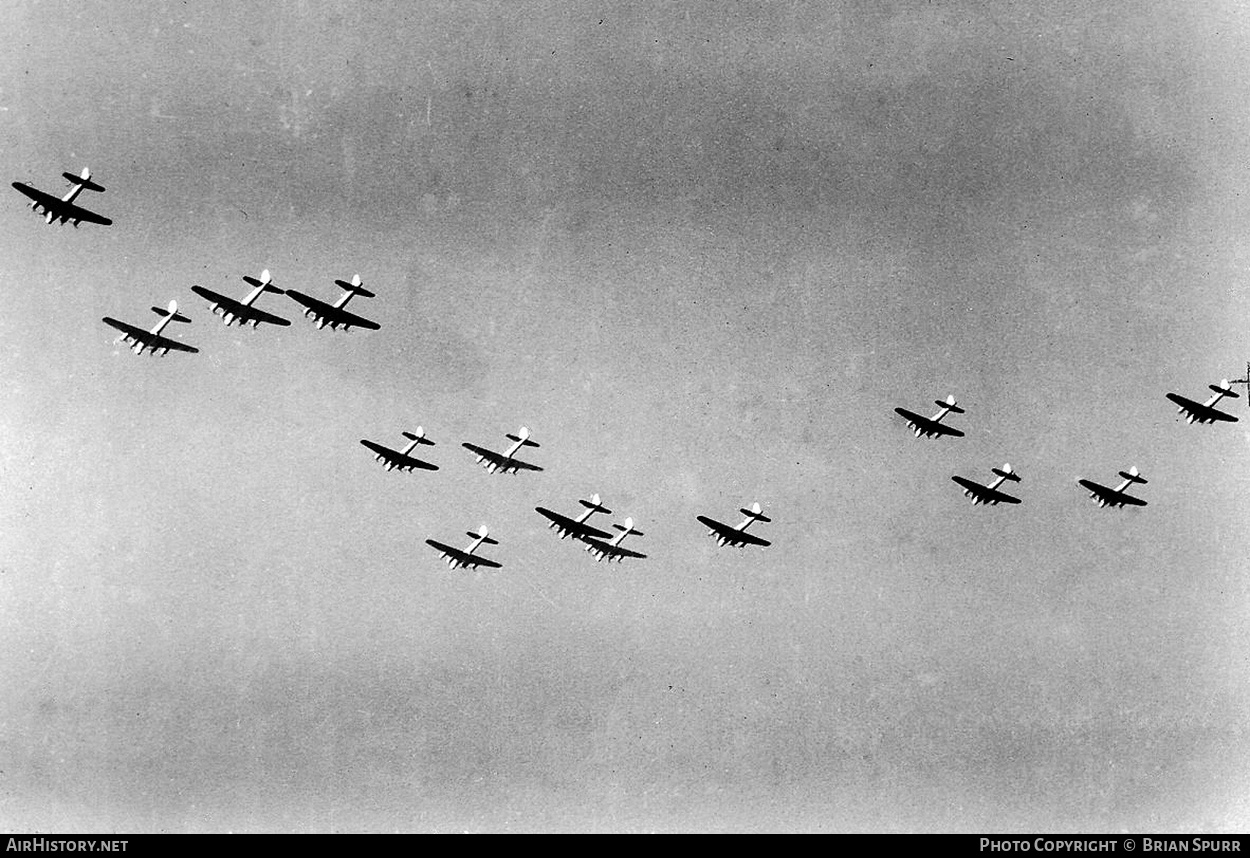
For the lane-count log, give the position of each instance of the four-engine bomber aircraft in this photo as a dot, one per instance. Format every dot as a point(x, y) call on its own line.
point(577, 527)
point(737, 536)
point(466, 559)
point(989, 494)
point(393, 459)
point(932, 427)
point(612, 550)
point(334, 315)
point(62, 208)
point(139, 339)
point(1206, 412)
point(1117, 496)
point(243, 312)
point(503, 462)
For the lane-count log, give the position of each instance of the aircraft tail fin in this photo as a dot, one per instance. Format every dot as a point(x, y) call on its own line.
point(595, 504)
point(84, 180)
point(1133, 475)
point(355, 286)
point(419, 436)
point(1007, 473)
point(172, 312)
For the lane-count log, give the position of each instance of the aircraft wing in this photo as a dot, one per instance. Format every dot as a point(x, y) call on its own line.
point(331, 314)
point(379, 449)
point(984, 492)
point(462, 557)
point(489, 455)
point(79, 213)
point(607, 550)
point(578, 529)
point(722, 529)
point(166, 343)
point(238, 309)
point(731, 535)
point(499, 460)
point(617, 551)
point(44, 199)
point(1111, 496)
point(751, 539)
point(397, 457)
point(1198, 411)
point(152, 341)
point(137, 333)
point(59, 207)
point(928, 426)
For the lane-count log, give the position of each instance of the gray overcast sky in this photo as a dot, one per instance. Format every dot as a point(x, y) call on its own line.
point(702, 251)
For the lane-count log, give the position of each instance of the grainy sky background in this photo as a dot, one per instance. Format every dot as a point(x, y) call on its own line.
point(702, 250)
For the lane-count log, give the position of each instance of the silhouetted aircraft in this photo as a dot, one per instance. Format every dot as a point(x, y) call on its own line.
point(932, 427)
point(577, 527)
point(393, 459)
point(139, 339)
point(458, 559)
point(243, 312)
point(1206, 412)
point(503, 462)
point(334, 315)
point(989, 494)
point(1115, 497)
point(612, 550)
point(62, 208)
point(737, 536)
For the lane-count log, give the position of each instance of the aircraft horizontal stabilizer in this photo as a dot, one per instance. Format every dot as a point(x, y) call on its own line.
point(84, 180)
point(486, 540)
point(524, 441)
point(1132, 475)
point(1226, 390)
point(595, 504)
point(263, 282)
point(418, 436)
point(175, 316)
point(355, 286)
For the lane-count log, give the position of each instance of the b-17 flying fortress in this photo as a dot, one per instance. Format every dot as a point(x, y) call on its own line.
point(243, 312)
point(62, 209)
point(157, 345)
point(1206, 412)
point(504, 462)
point(932, 427)
point(466, 559)
point(401, 459)
point(989, 493)
point(1118, 496)
point(335, 315)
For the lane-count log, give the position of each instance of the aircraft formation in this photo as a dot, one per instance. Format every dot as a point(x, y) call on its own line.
point(991, 494)
point(601, 544)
